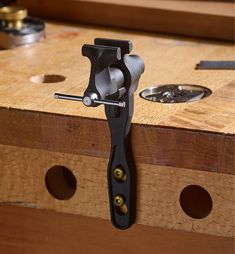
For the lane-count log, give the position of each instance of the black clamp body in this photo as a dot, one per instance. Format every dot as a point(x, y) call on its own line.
point(113, 80)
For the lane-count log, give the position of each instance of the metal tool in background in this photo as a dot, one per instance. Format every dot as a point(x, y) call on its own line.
point(181, 93)
point(215, 65)
point(113, 80)
point(16, 28)
point(173, 93)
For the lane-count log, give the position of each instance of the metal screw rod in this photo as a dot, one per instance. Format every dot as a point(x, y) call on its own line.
point(67, 97)
point(112, 103)
point(98, 101)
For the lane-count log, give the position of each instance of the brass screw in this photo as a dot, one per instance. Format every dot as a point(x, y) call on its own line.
point(118, 200)
point(118, 173)
point(13, 16)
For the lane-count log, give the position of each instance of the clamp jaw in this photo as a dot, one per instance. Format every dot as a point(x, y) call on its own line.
point(113, 80)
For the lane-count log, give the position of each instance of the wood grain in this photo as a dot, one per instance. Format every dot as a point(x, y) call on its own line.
point(167, 61)
point(193, 18)
point(23, 173)
point(181, 142)
point(46, 232)
point(155, 145)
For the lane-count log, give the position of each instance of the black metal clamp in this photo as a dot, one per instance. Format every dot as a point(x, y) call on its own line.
point(113, 80)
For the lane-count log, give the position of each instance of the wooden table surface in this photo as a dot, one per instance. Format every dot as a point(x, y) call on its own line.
point(174, 145)
point(168, 60)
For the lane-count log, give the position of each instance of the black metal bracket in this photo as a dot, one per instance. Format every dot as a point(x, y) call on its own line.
point(113, 80)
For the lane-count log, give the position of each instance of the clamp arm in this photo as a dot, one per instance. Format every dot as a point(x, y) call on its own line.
point(113, 80)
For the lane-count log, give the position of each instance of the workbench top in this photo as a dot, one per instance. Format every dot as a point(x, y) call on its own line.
point(174, 145)
point(168, 60)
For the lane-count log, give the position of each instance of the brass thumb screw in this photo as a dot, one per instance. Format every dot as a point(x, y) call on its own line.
point(13, 16)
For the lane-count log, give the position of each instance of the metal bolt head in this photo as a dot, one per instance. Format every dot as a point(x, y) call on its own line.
point(87, 101)
point(118, 200)
point(118, 173)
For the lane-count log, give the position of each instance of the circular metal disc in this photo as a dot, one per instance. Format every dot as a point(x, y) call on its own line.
point(175, 93)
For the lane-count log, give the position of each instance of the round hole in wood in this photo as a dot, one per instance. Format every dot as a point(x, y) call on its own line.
point(60, 182)
point(47, 78)
point(196, 201)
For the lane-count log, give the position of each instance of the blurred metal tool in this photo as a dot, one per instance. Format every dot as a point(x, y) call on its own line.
point(16, 29)
point(216, 65)
point(13, 17)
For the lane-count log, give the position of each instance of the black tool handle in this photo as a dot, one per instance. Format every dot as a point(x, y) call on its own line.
point(121, 159)
point(119, 120)
point(113, 80)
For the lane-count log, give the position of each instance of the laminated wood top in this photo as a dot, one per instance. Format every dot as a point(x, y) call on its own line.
point(168, 60)
point(197, 135)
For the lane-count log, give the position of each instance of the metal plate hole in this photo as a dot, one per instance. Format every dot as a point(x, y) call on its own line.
point(175, 93)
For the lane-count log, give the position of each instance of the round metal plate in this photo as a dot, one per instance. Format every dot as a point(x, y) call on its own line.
point(175, 93)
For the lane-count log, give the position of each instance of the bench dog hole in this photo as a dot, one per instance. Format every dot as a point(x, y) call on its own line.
point(60, 182)
point(196, 201)
point(47, 78)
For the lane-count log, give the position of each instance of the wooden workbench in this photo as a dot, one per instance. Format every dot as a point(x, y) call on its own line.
point(175, 145)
